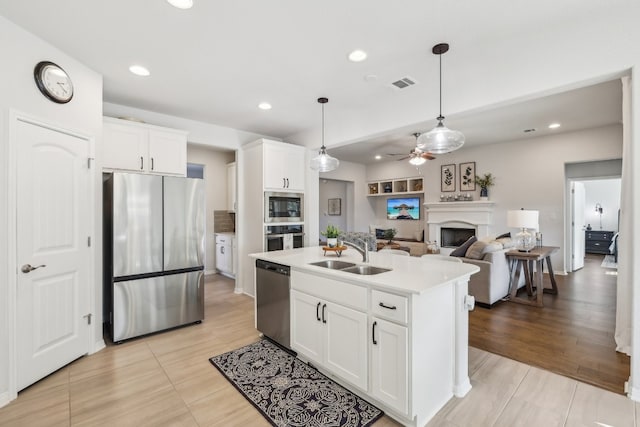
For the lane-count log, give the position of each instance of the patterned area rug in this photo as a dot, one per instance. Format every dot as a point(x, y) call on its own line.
point(609, 262)
point(288, 392)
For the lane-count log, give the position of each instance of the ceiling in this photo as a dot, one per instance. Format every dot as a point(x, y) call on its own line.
point(217, 61)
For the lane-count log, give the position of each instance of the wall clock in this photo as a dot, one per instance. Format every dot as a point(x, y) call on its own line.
point(53, 82)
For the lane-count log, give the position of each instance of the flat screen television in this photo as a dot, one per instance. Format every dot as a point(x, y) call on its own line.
point(403, 208)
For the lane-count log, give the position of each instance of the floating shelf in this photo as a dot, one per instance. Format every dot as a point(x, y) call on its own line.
point(392, 187)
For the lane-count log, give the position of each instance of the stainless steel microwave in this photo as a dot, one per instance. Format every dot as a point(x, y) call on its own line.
point(283, 207)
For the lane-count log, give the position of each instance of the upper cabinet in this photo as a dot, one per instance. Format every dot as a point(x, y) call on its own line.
point(140, 147)
point(231, 187)
point(283, 166)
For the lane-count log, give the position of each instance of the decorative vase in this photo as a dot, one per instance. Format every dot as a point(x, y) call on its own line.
point(332, 242)
point(484, 193)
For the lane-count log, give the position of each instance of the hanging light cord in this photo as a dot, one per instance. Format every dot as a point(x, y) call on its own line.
point(323, 147)
point(440, 116)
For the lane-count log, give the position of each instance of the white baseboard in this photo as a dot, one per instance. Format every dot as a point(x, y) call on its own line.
point(98, 345)
point(4, 399)
point(209, 272)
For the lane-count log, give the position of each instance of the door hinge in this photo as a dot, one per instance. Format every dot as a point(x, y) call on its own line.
point(89, 241)
point(88, 316)
point(89, 162)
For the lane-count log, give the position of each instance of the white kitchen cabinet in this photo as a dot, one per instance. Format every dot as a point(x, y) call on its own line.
point(139, 147)
point(224, 254)
point(284, 166)
point(231, 187)
point(331, 335)
point(389, 364)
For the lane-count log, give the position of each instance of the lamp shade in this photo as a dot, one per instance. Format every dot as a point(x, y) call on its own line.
point(440, 140)
point(323, 162)
point(522, 219)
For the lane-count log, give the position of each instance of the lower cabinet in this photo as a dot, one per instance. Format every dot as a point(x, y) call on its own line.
point(389, 364)
point(331, 335)
point(224, 254)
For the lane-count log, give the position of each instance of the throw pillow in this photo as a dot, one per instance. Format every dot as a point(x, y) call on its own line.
point(507, 234)
point(476, 250)
point(462, 249)
point(507, 243)
point(492, 246)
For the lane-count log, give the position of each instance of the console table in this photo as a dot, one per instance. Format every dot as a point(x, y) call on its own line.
point(524, 261)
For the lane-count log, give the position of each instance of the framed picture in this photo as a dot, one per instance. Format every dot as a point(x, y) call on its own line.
point(334, 207)
point(447, 178)
point(467, 176)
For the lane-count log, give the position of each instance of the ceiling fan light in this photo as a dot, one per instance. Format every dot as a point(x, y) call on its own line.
point(417, 160)
point(440, 140)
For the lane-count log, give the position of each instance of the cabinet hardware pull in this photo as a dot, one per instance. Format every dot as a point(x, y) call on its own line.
point(318, 311)
point(373, 333)
point(141, 163)
point(323, 307)
point(222, 249)
point(152, 163)
point(390, 307)
point(287, 182)
point(284, 183)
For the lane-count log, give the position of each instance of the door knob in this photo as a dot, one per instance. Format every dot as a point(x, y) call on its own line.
point(28, 268)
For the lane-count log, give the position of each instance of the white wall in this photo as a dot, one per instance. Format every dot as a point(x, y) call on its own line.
point(607, 193)
point(332, 189)
point(21, 51)
point(363, 213)
point(215, 178)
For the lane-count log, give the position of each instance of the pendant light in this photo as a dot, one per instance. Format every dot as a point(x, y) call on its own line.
point(323, 162)
point(415, 158)
point(440, 139)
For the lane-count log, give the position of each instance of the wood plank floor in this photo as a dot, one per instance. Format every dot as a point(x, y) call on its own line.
point(571, 335)
point(167, 380)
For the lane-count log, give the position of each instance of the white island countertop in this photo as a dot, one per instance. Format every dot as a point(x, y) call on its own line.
point(408, 274)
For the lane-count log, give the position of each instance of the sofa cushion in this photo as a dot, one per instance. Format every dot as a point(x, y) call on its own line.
point(476, 250)
point(493, 246)
point(461, 250)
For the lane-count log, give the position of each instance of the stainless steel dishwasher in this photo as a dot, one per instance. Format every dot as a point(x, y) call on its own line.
point(272, 301)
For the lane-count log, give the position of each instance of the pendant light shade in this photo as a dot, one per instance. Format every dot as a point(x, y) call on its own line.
point(323, 162)
point(440, 139)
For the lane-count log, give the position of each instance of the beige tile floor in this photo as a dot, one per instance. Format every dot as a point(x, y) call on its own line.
point(167, 380)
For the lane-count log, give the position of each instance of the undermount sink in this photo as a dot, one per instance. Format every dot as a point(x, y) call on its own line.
point(333, 264)
point(365, 270)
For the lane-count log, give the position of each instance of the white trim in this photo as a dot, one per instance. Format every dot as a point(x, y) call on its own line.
point(12, 244)
point(4, 399)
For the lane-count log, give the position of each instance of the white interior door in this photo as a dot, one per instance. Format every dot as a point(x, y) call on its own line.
point(577, 225)
point(53, 257)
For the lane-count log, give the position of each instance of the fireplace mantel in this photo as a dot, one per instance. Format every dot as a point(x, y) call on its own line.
point(477, 214)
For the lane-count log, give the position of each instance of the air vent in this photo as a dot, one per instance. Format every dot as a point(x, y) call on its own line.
point(404, 82)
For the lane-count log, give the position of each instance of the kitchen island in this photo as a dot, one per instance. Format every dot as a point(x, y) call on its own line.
point(398, 338)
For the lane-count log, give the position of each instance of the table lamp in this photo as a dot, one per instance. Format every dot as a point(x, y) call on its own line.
point(524, 220)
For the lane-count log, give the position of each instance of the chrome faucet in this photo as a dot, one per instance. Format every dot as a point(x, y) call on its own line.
point(364, 252)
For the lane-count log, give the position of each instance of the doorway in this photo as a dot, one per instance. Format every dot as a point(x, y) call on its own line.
point(333, 204)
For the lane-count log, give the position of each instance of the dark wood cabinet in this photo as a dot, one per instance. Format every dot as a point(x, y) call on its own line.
point(597, 242)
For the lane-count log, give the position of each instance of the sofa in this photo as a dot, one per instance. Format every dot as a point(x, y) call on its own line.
point(491, 283)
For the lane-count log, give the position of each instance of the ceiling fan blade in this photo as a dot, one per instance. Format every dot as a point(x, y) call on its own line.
point(427, 156)
point(403, 158)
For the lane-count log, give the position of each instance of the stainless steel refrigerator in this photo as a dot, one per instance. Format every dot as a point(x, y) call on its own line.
point(153, 253)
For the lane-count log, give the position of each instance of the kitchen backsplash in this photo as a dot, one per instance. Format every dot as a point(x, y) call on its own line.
point(224, 221)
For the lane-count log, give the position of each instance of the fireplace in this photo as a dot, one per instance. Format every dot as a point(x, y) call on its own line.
point(475, 216)
point(454, 237)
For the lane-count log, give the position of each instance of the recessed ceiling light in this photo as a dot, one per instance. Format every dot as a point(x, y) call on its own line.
point(554, 125)
point(264, 106)
point(357, 55)
point(139, 70)
point(378, 157)
point(181, 4)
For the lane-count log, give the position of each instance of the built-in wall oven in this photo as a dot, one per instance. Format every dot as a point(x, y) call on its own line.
point(283, 207)
point(279, 237)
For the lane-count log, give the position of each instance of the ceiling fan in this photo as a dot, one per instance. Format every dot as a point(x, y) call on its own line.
point(415, 152)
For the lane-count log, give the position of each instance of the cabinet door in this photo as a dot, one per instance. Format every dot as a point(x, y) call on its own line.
point(345, 352)
point(295, 167)
point(221, 260)
point(284, 166)
point(228, 265)
point(124, 147)
point(306, 325)
point(231, 187)
point(167, 153)
point(389, 369)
